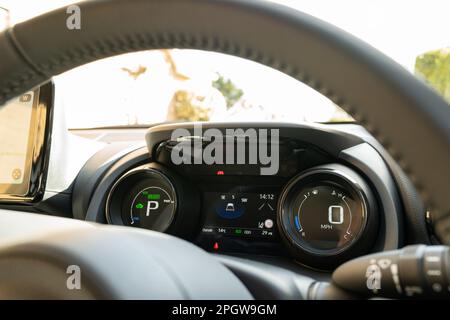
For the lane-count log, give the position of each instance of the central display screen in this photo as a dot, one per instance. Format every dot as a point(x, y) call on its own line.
point(15, 127)
point(238, 213)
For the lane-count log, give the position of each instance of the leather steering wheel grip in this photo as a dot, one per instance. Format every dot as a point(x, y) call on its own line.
point(114, 262)
point(408, 117)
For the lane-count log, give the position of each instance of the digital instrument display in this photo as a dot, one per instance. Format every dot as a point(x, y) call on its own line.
point(241, 213)
point(324, 212)
point(15, 126)
point(151, 208)
point(143, 198)
point(326, 217)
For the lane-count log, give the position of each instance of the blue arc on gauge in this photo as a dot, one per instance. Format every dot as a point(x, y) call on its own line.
point(297, 223)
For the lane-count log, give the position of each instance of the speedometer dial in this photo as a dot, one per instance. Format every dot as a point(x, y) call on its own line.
point(327, 215)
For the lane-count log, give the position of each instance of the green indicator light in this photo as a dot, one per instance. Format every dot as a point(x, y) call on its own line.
point(153, 196)
point(139, 206)
point(145, 193)
point(238, 231)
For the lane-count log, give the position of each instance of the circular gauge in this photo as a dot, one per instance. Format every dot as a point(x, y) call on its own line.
point(142, 198)
point(326, 217)
point(151, 208)
point(327, 213)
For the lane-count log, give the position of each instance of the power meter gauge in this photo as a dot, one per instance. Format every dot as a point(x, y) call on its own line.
point(152, 208)
point(143, 198)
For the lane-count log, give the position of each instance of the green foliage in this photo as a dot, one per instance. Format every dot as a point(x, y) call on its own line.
point(434, 67)
point(231, 93)
point(188, 107)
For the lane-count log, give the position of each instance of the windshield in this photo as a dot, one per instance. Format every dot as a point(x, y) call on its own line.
point(187, 85)
point(156, 86)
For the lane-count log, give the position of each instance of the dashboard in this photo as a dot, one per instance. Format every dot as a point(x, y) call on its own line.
point(305, 196)
point(333, 197)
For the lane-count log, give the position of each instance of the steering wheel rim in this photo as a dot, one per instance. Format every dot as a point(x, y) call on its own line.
point(376, 91)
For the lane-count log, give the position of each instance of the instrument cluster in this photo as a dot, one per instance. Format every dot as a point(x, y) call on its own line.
point(316, 210)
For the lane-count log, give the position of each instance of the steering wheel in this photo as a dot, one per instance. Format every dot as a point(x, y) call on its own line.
point(406, 116)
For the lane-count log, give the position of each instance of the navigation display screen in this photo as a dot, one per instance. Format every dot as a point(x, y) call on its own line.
point(15, 123)
point(246, 214)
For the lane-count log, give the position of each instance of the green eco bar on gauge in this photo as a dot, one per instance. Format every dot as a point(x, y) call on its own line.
point(139, 206)
point(153, 196)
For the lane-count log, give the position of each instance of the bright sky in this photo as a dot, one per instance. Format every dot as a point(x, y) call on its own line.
point(402, 29)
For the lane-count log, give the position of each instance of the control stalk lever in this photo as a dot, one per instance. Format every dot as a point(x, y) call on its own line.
point(416, 271)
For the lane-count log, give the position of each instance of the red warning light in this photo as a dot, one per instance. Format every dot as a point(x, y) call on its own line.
point(220, 173)
point(216, 246)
